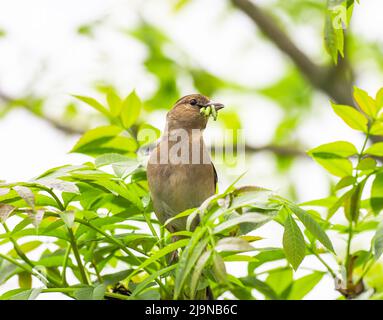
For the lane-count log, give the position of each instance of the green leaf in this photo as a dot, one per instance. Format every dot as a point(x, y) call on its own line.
point(304, 285)
point(345, 182)
point(219, 269)
point(100, 134)
point(252, 217)
point(114, 103)
point(353, 118)
point(280, 279)
point(312, 226)
point(157, 255)
point(21, 294)
point(25, 280)
point(26, 247)
point(200, 265)
point(333, 38)
point(377, 128)
point(376, 200)
point(337, 166)
point(365, 102)
point(90, 292)
point(147, 134)
point(375, 150)
point(188, 259)
point(342, 149)
point(367, 164)
point(130, 111)
point(142, 285)
point(94, 104)
point(112, 158)
point(379, 99)
point(293, 243)
point(378, 241)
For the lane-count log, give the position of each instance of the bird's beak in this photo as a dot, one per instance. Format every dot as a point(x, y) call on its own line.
point(217, 106)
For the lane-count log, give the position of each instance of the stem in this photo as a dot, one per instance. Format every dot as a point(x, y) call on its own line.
point(78, 257)
point(65, 264)
point(17, 248)
point(323, 262)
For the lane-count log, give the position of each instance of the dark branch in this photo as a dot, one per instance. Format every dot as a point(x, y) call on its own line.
point(321, 77)
point(59, 125)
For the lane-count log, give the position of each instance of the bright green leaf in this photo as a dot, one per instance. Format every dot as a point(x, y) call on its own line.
point(130, 111)
point(293, 243)
point(353, 118)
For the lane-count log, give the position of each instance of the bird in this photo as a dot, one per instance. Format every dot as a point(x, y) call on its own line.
point(180, 172)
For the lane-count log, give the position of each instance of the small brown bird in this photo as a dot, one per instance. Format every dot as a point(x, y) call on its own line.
point(180, 172)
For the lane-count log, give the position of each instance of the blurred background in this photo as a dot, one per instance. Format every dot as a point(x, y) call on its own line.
point(165, 49)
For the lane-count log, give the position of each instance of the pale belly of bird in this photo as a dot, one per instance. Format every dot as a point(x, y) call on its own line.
point(176, 188)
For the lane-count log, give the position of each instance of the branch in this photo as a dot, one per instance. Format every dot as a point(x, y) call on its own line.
point(284, 151)
point(321, 77)
point(59, 125)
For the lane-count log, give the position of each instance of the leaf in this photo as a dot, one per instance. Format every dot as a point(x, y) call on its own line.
point(345, 182)
point(25, 280)
point(377, 128)
point(376, 199)
point(312, 226)
point(233, 244)
point(280, 279)
point(5, 211)
point(342, 149)
point(157, 255)
point(60, 185)
point(21, 294)
point(367, 164)
point(147, 134)
point(365, 102)
point(293, 243)
point(90, 293)
point(26, 194)
point(112, 158)
point(200, 265)
point(114, 103)
point(100, 134)
point(256, 218)
point(219, 269)
point(353, 118)
point(304, 285)
point(333, 38)
point(68, 218)
point(337, 166)
point(379, 99)
point(151, 278)
point(130, 111)
point(378, 241)
point(262, 287)
point(188, 259)
point(94, 104)
point(26, 247)
point(375, 150)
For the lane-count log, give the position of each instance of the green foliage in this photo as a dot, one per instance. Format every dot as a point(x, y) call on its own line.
point(99, 217)
point(342, 159)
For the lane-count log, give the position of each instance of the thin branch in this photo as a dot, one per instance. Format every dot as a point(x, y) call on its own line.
point(323, 78)
point(59, 125)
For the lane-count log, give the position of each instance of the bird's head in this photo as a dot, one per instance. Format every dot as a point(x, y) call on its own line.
point(186, 113)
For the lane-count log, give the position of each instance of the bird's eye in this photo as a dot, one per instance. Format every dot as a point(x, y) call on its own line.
point(193, 102)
